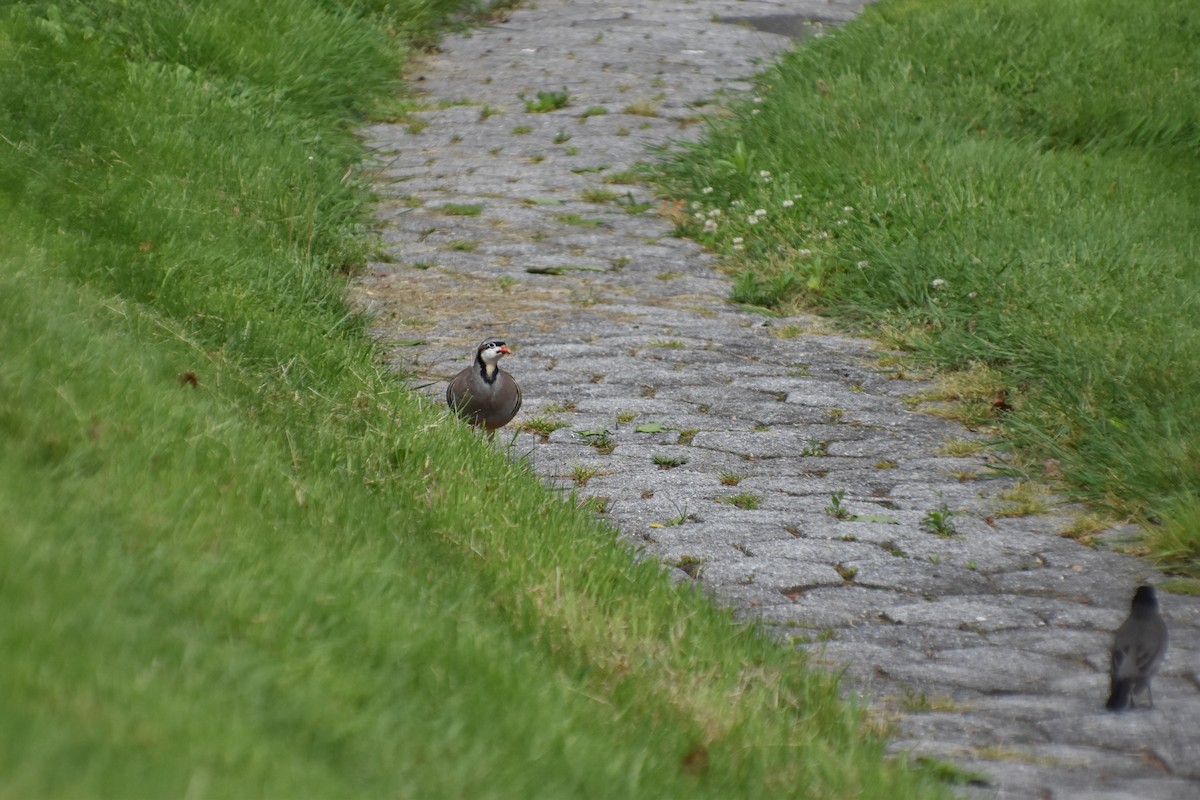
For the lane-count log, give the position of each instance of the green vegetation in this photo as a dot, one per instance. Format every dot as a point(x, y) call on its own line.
point(667, 462)
point(578, 219)
point(545, 101)
point(236, 559)
point(1024, 499)
point(746, 501)
point(940, 521)
point(581, 474)
point(1008, 183)
point(543, 426)
point(642, 108)
point(835, 508)
point(461, 209)
point(599, 438)
point(598, 195)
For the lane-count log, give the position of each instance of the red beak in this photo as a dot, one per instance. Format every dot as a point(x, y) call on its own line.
point(504, 349)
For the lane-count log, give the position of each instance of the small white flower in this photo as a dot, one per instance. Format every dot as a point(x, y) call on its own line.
point(936, 284)
point(822, 234)
point(698, 216)
point(756, 99)
point(763, 173)
point(710, 226)
point(760, 212)
point(738, 240)
point(805, 253)
point(753, 220)
point(971, 295)
point(788, 203)
point(716, 212)
point(863, 264)
point(706, 190)
point(755, 112)
point(797, 196)
point(696, 205)
point(841, 222)
point(847, 209)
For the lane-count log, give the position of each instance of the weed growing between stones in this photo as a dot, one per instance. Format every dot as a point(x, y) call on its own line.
point(581, 474)
point(835, 508)
point(601, 440)
point(745, 501)
point(1024, 499)
point(597, 505)
point(543, 426)
point(461, 209)
point(668, 462)
point(691, 565)
point(815, 448)
point(642, 108)
point(681, 516)
point(578, 219)
point(545, 101)
point(940, 521)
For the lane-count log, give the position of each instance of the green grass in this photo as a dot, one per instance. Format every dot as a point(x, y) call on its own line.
point(746, 501)
point(1011, 183)
point(667, 462)
point(545, 101)
point(236, 559)
point(461, 209)
point(578, 219)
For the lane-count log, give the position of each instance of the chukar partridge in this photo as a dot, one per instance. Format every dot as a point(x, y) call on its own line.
point(1139, 647)
point(483, 394)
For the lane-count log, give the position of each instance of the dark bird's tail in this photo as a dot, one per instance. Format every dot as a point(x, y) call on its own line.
point(1118, 698)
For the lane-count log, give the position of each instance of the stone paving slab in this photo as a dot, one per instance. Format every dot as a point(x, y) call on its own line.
point(987, 647)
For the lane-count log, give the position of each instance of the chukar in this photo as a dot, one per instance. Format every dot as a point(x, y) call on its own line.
point(1139, 647)
point(483, 394)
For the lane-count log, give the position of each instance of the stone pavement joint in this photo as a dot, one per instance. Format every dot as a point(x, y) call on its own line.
point(772, 461)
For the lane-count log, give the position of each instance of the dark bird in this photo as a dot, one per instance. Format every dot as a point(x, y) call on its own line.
point(483, 394)
point(1138, 650)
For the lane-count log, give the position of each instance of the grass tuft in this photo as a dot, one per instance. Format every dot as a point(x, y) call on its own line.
point(746, 501)
point(544, 101)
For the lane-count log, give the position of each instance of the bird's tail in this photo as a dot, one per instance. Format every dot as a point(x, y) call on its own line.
point(1118, 697)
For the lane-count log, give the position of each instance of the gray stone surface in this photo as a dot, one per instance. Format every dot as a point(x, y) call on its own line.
point(987, 648)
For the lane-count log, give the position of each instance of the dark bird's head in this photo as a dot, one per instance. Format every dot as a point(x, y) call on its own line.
point(1144, 600)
